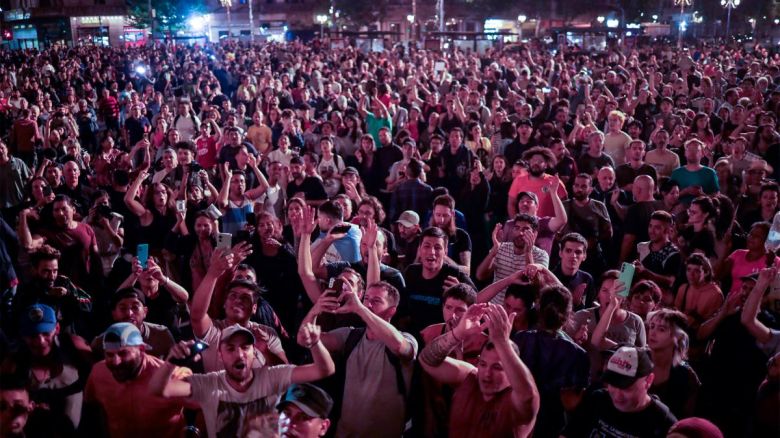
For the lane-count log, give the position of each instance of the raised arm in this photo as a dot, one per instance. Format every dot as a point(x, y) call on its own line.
point(373, 271)
point(262, 183)
point(433, 357)
point(133, 204)
point(178, 293)
point(227, 174)
point(169, 381)
point(378, 327)
point(485, 268)
point(599, 338)
point(221, 261)
point(749, 317)
point(303, 227)
point(525, 396)
point(323, 363)
point(560, 218)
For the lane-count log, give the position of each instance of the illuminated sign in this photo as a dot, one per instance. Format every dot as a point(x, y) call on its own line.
point(16, 15)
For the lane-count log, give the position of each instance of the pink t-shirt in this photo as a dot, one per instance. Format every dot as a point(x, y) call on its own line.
point(741, 267)
point(541, 187)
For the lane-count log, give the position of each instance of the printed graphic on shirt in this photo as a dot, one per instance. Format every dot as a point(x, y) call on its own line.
point(231, 417)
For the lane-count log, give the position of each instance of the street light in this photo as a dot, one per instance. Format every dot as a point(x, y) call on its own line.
point(752, 22)
point(729, 5)
point(322, 19)
point(600, 19)
point(227, 4)
point(683, 24)
point(655, 18)
point(522, 19)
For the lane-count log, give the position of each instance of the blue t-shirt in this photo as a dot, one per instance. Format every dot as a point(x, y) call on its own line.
point(234, 218)
point(348, 246)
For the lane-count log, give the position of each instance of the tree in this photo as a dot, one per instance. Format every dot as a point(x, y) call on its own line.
point(362, 12)
point(170, 15)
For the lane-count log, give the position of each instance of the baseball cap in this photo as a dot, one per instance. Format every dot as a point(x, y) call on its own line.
point(408, 219)
point(750, 277)
point(628, 365)
point(531, 195)
point(312, 400)
point(350, 169)
point(38, 318)
point(122, 334)
point(525, 122)
point(128, 292)
point(235, 329)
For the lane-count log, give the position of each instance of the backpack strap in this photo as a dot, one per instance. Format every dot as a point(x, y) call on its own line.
point(395, 361)
point(352, 340)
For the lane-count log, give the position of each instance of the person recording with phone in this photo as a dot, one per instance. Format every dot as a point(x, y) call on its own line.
point(149, 279)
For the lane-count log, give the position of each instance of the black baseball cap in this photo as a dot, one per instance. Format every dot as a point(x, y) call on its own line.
point(310, 399)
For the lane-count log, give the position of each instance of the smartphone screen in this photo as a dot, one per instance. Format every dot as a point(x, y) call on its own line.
point(626, 277)
point(250, 218)
point(224, 240)
point(142, 252)
point(339, 229)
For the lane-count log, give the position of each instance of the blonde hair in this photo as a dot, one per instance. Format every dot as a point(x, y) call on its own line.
point(677, 323)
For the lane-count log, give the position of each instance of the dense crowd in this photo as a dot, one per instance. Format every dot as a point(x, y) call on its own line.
point(293, 240)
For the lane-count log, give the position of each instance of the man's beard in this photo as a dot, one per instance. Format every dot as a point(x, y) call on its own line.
point(580, 196)
point(535, 171)
point(126, 371)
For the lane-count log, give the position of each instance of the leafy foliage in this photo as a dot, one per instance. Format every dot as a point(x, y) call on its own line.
point(170, 15)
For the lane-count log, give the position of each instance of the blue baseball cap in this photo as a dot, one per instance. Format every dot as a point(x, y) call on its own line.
point(122, 334)
point(38, 318)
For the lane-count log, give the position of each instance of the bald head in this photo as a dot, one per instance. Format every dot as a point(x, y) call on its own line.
point(643, 188)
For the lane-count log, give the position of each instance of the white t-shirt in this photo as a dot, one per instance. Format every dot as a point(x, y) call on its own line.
point(226, 410)
point(277, 155)
point(213, 362)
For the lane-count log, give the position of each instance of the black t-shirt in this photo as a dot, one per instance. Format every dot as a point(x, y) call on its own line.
point(598, 417)
point(311, 187)
point(459, 243)
point(703, 240)
point(638, 220)
point(423, 296)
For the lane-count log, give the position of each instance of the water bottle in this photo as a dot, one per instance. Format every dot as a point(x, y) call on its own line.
point(772, 243)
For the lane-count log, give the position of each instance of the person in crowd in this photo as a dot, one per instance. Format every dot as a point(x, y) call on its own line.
point(536, 181)
point(129, 305)
point(626, 405)
point(638, 216)
point(428, 278)
point(743, 262)
point(118, 391)
point(659, 258)
point(660, 157)
point(232, 396)
point(694, 179)
point(511, 393)
point(590, 219)
point(549, 226)
point(573, 251)
point(505, 258)
point(699, 297)
point(675, 383)
point(644, 297)
point(634, 166)
point(240, 305)
point(306, 407)
point(458, 239)
point(560, 367)
point(47, 366)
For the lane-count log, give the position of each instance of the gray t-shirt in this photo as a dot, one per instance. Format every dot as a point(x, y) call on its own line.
point(226, 410)
point(372, 404)
point(630, 332)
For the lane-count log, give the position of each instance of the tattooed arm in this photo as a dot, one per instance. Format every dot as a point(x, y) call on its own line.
point(434, 358)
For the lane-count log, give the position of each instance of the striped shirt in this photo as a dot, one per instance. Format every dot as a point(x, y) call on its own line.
point(507, 262)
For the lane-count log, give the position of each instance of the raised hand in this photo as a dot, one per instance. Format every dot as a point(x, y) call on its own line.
point(498, 231)
point(472, 322)
point(369, 233)
point(499, 323)
point(350, 303)
point(309, 335)
point(221, 261)
point(241, 251)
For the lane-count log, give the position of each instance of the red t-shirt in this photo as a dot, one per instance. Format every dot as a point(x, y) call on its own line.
point(131, 409)
point(206, 152)
point(471, 416)
point(75, 246)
